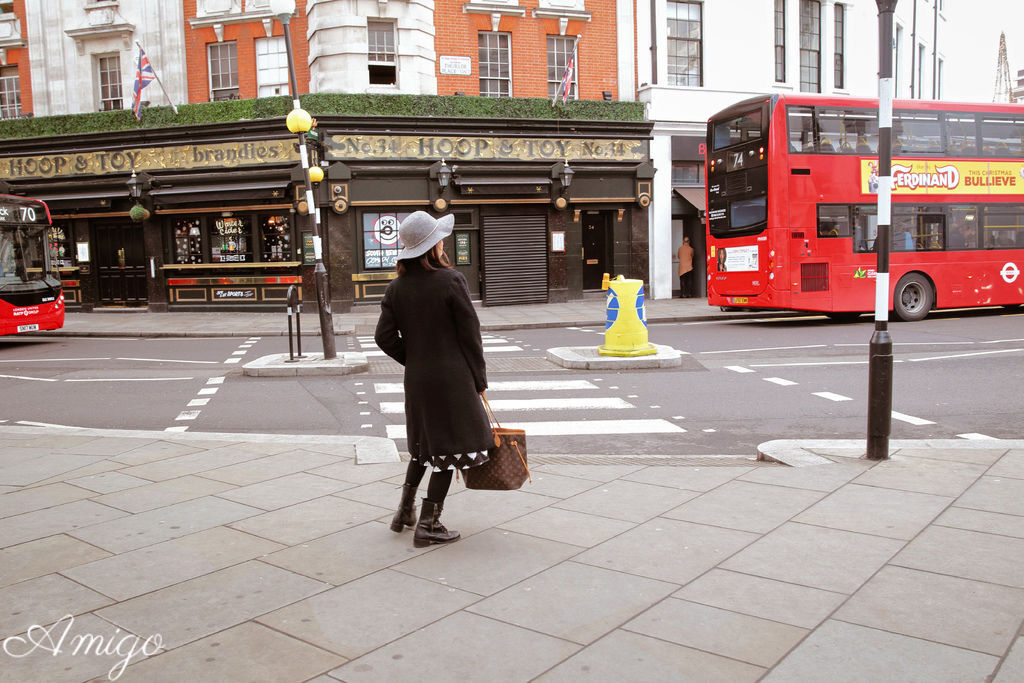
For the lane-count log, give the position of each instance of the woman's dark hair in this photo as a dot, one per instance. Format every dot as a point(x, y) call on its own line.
point(428, 261)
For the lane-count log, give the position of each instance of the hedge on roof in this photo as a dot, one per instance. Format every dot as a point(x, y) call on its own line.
point(323, 104)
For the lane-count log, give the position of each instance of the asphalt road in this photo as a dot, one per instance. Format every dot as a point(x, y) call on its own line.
point(742, 383)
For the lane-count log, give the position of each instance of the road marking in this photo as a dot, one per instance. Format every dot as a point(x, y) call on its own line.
point(188, 415)
point(965, 355)
point(539, 385)
point(215, 380)
point(208, 391)
point(974, 436)
point(778, 380)
point(769, 348)
point(176, 429)
point(911, 419)
point(198, 402)
point(1001, 341)
point(487, 349)
point(738, 368)
point(576, 428)
point(43, 424)
point(233, 360)
point(48, 360)
point(170, 360)
point(797, 365)
point(709, 430)
point(238, 353)
point(131, 379)
point(501, 405)
point(32, 379)
point(832, 397)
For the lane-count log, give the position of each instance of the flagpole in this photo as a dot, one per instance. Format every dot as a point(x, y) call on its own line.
point(174, 107)
point(572, 62)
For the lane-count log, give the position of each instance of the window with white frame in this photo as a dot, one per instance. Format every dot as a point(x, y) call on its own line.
point(780, 41)
point(560, 49)
point(223, 61)
point(840, 46)
point(381, 53)
point(10, 93)
point(271, 67)
point(495, 59)
point(109, 76)
point(685, 43)
point(810, 46)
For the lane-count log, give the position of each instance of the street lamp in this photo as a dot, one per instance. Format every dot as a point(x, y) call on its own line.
point(880, 347)
point(444, 175)
point(566, 175)
point(299, 121)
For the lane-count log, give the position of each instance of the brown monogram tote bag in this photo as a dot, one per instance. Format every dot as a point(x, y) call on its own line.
point(506, 468)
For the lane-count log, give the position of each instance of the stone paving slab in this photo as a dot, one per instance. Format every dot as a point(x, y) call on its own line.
point(907, 569)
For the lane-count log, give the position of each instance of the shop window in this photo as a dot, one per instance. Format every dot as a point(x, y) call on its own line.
point(223, 59)
point(380, 239)
point(687, 173)
point(275, 238)
point(109, 76)
point(230, 240)
point(380, 37)
point(10, 93)
point(188, 241)
point(59, 243)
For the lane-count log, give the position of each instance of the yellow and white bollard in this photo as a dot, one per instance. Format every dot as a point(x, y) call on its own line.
point(625, 329)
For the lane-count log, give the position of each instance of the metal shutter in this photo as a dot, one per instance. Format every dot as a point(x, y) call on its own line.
point(515, 260)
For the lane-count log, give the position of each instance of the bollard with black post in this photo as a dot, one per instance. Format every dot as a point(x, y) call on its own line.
point(880, 347)
point(299, 121)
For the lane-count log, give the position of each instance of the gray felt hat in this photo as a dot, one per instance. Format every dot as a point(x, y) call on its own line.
point(420, 231)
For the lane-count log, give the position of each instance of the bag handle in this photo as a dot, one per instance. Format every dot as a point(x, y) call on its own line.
point(497, 440)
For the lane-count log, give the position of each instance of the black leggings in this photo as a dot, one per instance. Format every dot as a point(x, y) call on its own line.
point(437, 487)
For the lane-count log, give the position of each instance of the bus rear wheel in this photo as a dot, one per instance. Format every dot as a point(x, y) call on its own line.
point(913, 297)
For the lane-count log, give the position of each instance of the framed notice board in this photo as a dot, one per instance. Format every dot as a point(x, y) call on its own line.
point(308, 253)
point(462, 257)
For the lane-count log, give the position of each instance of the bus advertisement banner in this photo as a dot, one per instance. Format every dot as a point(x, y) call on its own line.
point(920, 177)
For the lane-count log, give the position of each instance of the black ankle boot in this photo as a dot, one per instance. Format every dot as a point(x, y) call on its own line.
point(406, 515)
point(430, 530)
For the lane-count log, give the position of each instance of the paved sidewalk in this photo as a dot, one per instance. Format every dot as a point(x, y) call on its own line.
point(249, 557)
point(363, 318)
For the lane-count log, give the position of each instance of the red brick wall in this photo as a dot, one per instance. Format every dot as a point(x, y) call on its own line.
point(245, 35)
point(19, 57)
point(597, 72)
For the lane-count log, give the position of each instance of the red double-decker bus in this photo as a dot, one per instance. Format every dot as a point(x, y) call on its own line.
point(792, 205)
point(30, 294)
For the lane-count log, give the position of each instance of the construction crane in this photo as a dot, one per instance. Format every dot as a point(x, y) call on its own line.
point(1004, 86)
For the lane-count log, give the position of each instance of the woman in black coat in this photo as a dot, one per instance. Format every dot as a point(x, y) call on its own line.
point(428, 324)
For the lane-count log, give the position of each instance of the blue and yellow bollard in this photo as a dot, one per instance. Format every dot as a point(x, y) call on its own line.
point(625, 329)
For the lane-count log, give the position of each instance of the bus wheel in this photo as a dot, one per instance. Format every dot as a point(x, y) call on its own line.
point(913, 297)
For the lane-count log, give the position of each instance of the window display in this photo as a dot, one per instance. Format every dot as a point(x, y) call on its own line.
point(380, 239)
point(276, 236)
point(59, 240)
point(230, 240)
point(188, 243)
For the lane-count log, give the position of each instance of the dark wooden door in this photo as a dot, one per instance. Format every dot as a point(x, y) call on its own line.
point(120, 264)
point(595, 249)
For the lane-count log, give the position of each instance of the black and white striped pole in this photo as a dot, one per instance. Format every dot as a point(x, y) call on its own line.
point(299, 121)
point(880, 347)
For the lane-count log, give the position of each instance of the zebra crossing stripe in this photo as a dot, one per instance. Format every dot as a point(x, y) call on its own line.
point(508, 405)
point(539, 385)
point(576, 428)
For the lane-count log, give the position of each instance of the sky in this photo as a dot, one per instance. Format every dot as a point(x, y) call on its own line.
point(979, 23)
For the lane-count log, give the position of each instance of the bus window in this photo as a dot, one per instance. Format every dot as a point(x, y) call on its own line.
point(834, 221)
point(963, 227)
point(847, 131)
point(903, 229)
point(748, 212)
point(743, 128)
point(1002, 135)
point(800, 121)
point(916, 132)
point(961, 134)
point(1002, 226)
point(865, 227)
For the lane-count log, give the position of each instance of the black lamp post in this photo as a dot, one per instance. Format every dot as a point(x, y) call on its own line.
point(299, 121)
point(880, 347)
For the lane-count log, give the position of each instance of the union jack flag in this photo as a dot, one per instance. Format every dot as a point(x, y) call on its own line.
point(565, 87)
point(143, 75)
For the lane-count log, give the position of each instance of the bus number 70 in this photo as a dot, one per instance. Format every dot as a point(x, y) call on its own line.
point(28, 214)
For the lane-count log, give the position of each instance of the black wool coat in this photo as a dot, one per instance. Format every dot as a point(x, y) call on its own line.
point(428, 324)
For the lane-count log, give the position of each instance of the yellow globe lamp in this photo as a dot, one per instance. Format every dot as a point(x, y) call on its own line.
point(299, 121)
point(316, 174)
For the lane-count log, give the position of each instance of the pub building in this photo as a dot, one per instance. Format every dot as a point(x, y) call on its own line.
point(542, 208)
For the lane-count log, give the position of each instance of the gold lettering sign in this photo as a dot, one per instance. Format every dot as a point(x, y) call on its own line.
point(465, 148)
point(225, 155)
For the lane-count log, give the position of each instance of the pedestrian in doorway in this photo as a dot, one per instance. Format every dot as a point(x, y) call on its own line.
point(428, 324)
point(685, 255)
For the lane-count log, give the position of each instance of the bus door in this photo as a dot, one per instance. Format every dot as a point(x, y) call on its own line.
point(120, 264)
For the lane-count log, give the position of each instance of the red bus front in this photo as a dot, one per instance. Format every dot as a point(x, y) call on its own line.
point(31, 298)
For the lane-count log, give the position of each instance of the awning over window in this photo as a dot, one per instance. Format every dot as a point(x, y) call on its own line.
point(80, 200)
point(693, 199)
point(184, 194)
point(488, 185)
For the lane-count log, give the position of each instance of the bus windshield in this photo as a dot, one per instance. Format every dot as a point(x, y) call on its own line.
point(737, 172)
point(22, 262)
point(742, 128)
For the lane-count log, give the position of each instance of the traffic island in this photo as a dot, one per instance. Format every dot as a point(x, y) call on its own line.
point(280, 365)
point(589, 358)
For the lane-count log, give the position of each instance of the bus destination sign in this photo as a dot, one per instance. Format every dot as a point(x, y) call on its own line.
point(23, 212)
